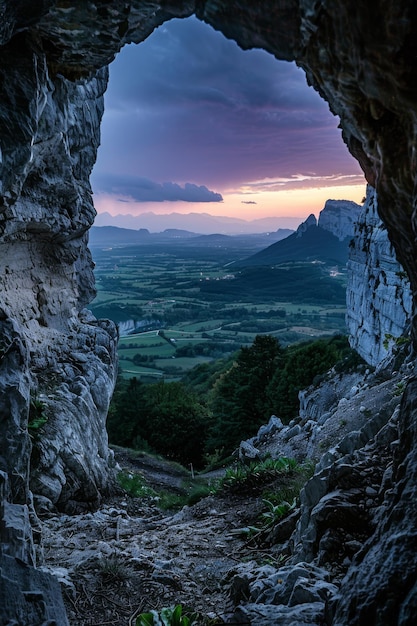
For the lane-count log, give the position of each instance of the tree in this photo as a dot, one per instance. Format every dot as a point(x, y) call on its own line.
point(175, 423)
point(239, 401)
point(302, 364)
point(163, 417)
point(124, 411)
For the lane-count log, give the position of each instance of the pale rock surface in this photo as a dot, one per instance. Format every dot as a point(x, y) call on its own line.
point(339, 217)
point(378, 298)
point(68, 363)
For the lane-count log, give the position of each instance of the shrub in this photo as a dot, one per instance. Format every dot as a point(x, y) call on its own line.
point(37, 416)
point(134, 485)
point(167, 617)
point(243, 477)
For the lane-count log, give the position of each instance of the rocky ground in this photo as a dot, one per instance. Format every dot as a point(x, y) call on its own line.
point(131, 557)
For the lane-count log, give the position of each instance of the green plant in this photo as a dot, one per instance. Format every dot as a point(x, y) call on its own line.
point(268, 519)
point(168, 501)
point(167, 617)
point(276, 512)
point(397, 341)
point(399, 388)
point(134, 485)
point(37, 416)
point(197, 493)
point(246, 476)
point(113, 569)
point(214, 460)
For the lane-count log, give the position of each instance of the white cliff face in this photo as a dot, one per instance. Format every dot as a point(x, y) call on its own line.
point(339, 217)
point(378, 294)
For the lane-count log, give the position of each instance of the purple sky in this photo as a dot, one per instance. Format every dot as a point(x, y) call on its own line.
point(189, 106)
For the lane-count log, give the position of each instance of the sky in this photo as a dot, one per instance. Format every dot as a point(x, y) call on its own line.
point(193, 123)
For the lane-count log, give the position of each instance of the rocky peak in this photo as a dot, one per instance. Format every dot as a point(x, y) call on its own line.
point(339, 217)
point(310, 221)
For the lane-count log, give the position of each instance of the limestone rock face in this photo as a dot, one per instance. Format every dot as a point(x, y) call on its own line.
point(67, 358)
point(379, 299)
point(339, 217)
point(381, 584)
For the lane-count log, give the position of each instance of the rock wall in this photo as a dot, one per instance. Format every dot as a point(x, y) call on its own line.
point(57, 362)
point(50, 135)
point(379, 299)
point(339, 217)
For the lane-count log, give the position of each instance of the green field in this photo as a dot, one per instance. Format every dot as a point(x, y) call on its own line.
point(179, 306)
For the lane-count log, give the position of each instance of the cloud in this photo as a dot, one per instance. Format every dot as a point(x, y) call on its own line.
point(302, 181)
point(189, 104)
point(248, 202)
point(145, 190)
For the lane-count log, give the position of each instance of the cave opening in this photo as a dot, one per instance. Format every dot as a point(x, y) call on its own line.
point(193, 124)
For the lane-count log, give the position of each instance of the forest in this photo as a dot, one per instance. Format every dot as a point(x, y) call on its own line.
point(215, 406)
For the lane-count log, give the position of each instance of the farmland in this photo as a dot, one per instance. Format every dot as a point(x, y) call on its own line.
point(181, 304)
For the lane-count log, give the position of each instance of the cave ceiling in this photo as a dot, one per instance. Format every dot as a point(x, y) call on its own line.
point(359, 56)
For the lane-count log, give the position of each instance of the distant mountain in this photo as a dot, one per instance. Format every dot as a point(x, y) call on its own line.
point(109, 236)
point(326, 240)
point(255, 240)
point(114, 236)
point(202, 223)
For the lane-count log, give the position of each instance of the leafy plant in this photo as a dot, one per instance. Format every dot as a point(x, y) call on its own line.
point(167, 617)
point(37, 416)
point(276, 512)
point(399, 388)
point(134, 485)
point(398, 342)
point(246, 476)
point(270, 517)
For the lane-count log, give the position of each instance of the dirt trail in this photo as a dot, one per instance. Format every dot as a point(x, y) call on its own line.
point(130, 557)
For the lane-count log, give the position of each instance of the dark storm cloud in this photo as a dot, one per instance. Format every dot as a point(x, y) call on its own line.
point(188, 104)
point(144, 190)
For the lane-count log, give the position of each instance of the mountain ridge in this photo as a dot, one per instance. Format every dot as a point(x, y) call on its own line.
point(116, 236)
point(202, 223)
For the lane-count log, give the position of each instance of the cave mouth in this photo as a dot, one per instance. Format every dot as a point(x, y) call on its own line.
point(194, 123)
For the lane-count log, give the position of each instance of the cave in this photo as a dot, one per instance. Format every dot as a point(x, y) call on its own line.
point(57, 358)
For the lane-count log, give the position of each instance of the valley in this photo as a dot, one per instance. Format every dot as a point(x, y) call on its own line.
point(185, 302)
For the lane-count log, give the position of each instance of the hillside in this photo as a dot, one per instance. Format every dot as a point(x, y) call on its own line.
point(326, 240)
point(315, 244)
